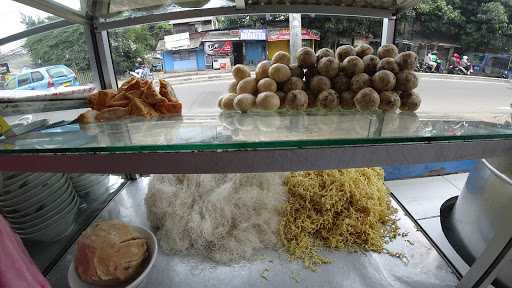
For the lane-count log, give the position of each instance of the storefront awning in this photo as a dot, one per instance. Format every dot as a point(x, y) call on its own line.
point(284, 34)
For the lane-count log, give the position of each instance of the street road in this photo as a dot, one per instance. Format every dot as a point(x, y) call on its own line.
point(439, 96)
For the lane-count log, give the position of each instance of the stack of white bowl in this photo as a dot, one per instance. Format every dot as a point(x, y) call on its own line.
point(38, 206)
point(90, 185)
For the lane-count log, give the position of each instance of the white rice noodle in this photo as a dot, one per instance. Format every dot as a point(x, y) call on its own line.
point(224, 217)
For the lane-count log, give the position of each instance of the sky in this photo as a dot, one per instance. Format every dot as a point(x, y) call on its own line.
point(11, 16)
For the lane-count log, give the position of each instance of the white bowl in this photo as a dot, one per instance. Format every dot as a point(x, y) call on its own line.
point(75, 282)
point(15, 188)
point(29, 190)
point(29, 222)
point(40, 197)
point(92, 182)
point(34, 195)
point(85, 179)
point(96, 191)
point(55, 228)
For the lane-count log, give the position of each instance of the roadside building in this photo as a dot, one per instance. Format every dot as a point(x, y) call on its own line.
point(278, 39)
point(183, 52)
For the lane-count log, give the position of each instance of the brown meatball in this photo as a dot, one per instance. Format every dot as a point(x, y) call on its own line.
point(279, 72)
point(370, 64)
point(341, 83)
point(267, 85)
point(328, 67)
point(282, 97)
point(319, 84)
point(247, 85)
point(360, 81)
point(387, 51)
point(389, 101)
point(310, 73)
point(268, 101)
point(347, 100)
point(262, 69)
point(388, 64)
point(244, 102)
point(352, 65)
point(297, 100)
point(232, 86)
point(367, 100)
point(306, 57)
point(384, 80)
point(328, 99)
point(406, 81)
point(364, 50)
point(293, 83)
point(343, 52)
point(324, 52)
point(297, 71)
point(410, 101)
point(281, 57)
point(240, 72)
point(407, 60)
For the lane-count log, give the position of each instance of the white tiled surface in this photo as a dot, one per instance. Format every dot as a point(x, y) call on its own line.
point(423, 196)
point(458, 180)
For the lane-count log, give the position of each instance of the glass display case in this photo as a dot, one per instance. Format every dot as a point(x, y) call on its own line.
point(65, 53)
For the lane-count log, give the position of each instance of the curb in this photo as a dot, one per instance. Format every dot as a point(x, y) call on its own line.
point(461, 77)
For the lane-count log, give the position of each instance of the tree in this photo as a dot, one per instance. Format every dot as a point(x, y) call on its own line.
point(489, 29)
point(61, 46)
point(67, 45)
point(476, 25)
point(331, 28)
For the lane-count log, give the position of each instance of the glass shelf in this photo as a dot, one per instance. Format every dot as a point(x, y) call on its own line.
point(235, 131)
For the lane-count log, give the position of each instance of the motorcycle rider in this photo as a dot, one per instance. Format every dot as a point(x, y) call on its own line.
point(466, 65)
point(432, 60)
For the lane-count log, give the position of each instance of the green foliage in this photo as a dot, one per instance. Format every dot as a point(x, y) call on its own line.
point(67, 45)
point(252, 21)
point(332, 29)
point(61, 46)
point(476, 25)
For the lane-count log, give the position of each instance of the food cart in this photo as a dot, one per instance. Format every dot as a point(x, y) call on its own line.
point(228, 143)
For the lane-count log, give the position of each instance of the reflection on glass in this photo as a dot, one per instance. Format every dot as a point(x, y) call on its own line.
point(53, 65)
point(258, 130)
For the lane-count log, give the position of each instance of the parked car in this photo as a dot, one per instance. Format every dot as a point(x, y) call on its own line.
point(43, 78)
point(494, 65)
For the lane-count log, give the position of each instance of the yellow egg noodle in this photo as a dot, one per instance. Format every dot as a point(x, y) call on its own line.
point(346, 209)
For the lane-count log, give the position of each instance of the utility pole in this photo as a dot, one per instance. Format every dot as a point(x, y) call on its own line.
point(295, 35)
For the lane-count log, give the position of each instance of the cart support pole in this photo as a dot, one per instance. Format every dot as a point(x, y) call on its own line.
point(488, 264)
point(388, 30)
point(295, 35)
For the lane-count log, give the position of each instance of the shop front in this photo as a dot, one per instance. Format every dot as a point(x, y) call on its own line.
point(183, 52)
point(279, 40)
point(218, 54)
point(254, 45)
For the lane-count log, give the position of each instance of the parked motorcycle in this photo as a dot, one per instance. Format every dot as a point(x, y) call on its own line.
point(457, 70)
point(428, 68)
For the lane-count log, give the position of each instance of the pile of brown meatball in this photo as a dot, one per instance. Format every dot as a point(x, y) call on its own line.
point(350, 78)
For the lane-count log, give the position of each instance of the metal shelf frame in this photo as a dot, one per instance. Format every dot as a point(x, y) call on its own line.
point(241, 161)
point(251, 160)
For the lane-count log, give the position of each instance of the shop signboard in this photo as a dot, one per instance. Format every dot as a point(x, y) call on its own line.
point(253, 34)
point(176, 41)
point(218, 48)
point(284, 34)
